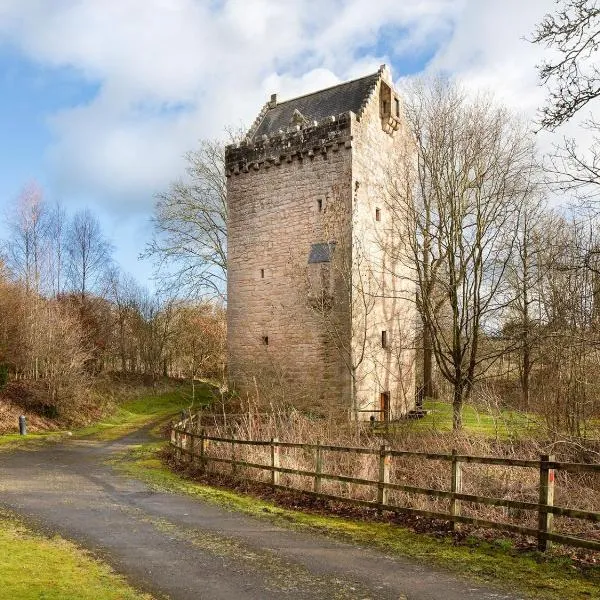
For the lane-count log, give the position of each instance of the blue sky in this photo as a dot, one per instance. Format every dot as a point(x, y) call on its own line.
point(99, 101)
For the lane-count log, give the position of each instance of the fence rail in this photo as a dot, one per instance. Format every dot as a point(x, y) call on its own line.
point(195, 446)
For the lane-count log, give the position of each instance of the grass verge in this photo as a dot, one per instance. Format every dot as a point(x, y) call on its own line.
point(137, 413)
point(128, 417)
point(33, 566)
point(540, 576)
point(11, 440)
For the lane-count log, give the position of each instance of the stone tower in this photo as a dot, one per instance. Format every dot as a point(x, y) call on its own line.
point(316, 299)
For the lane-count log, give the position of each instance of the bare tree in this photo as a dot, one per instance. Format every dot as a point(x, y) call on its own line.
point(568, 359)
point(190, 226)
point(573, 80)
point(56, 231)
point(462, 205)
point(25, 248)
point(573, 32)
point(88, 253)
point(198, 345)
point(523, 323)
point(124, 293)
point(158, 314)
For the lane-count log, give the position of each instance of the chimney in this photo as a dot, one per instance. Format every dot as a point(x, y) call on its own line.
point(273, 101)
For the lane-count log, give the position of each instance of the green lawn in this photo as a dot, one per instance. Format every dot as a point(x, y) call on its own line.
point(502, 423)
point(36, 567)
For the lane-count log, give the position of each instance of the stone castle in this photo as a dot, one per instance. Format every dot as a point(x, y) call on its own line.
point(316, 298)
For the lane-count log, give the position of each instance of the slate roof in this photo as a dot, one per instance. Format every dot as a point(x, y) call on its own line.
point(318, 105)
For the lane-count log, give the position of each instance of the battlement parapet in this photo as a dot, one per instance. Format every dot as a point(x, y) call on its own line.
point(297, 141)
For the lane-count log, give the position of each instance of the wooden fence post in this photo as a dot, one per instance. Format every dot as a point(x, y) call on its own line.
point(275, 463)
point(455, 488)
point(178, 444)
point(545, 518)
point(233, 465)
point(318, 468)
point(192, 443)
point(384, 474)
point(202, 450)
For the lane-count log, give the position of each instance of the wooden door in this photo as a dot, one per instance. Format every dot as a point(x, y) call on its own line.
point(384, 406)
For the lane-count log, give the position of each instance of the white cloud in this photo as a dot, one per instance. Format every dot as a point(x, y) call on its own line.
point(488, 49)
point(172, 71)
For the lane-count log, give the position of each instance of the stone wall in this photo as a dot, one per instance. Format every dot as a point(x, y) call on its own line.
point(378, 159)
point(279, 194)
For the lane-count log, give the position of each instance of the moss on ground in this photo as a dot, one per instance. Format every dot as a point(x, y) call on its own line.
point(34, 566)
point(543, 576)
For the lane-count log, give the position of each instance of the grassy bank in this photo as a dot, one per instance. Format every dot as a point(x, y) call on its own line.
point(33, 566)
point(539, 576)
point(147, 408)
point(129, 416)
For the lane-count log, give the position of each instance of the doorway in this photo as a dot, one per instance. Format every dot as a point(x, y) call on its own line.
point(384, 406)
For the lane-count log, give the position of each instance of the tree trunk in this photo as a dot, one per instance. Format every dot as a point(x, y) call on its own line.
point(526, 376)
point(457, 404)
point(427, 389)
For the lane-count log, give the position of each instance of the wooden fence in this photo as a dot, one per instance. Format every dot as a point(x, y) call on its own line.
point(196, 446)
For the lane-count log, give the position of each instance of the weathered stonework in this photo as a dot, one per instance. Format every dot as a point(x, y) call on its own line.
point(310, 289)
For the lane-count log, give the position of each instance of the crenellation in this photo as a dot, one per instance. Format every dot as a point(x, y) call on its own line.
point(297, 142)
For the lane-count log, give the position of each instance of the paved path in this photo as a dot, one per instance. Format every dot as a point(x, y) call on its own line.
point(181, 548)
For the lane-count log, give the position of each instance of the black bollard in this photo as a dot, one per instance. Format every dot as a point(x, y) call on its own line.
point(22, 425)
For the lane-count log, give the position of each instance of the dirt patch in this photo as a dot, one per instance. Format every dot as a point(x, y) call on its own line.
point(9, 419)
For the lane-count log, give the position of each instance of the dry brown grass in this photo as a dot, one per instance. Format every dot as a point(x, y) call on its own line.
point(572, 490)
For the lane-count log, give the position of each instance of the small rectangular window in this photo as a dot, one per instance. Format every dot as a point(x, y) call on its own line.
point(265, 340)
point(397, 106)
point(384, 339)
point(262, 273)
point(378, 214)
point(319, 205)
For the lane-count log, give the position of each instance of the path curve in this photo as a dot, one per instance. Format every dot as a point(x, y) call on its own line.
point(178, 547)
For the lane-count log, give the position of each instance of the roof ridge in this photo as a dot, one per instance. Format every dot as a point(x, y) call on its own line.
point(331, 87)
